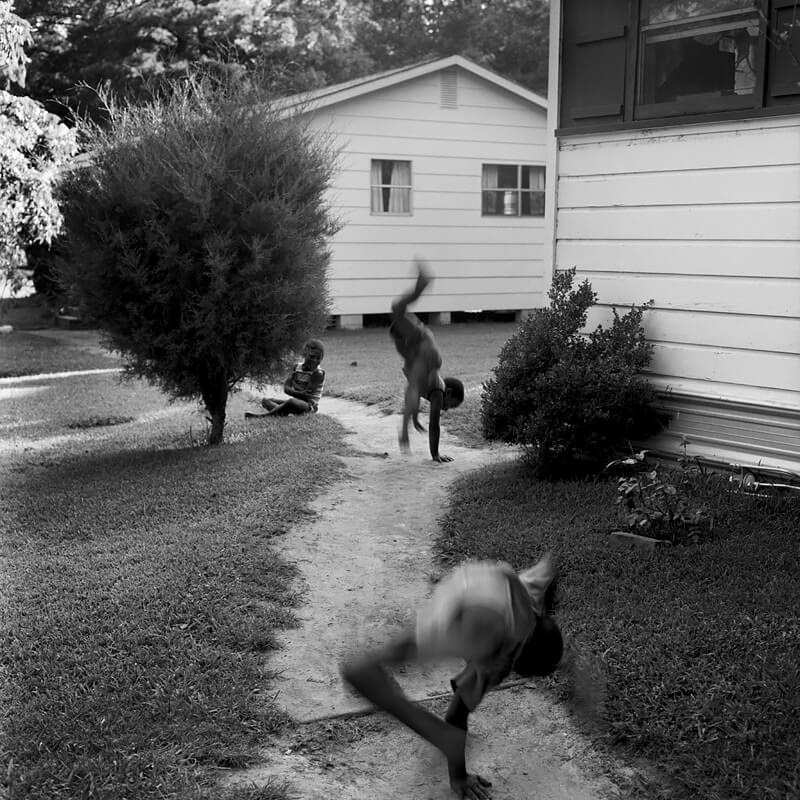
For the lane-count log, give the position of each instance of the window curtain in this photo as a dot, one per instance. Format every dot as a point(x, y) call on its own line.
point(491, 176)
point(400, 193)
point(536, 178)
point(391, 186)
point(377, 191)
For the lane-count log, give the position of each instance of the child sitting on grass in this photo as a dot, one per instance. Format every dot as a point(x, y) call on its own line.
point(493, 618)
point(303, 385)
point(421, 364)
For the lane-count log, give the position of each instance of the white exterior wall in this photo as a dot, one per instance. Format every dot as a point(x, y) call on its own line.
point(492, 263)
point(705, 220)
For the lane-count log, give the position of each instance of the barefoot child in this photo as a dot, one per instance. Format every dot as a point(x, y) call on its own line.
point(422, 362)
point(496, 621)
point(303, 385)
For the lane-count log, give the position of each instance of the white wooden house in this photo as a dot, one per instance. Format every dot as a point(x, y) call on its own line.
point(445, 160)
point(674, 166)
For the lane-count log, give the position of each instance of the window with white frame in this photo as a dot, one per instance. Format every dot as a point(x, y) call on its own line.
point(513, 190)
point(390, 183)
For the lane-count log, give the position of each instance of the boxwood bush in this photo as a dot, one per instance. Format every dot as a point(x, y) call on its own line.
point(568, 397)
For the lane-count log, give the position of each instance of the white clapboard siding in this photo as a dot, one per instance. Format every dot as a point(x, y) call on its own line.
point(384, 256)
point(457, 270)
point(705, 221)
point(734, 331)
point(763, 368)
point(494, 263)
point(439, 216)
point(445, 130)
point(761, 184)
point(681, 257)
point(396, 110)
point(741, 221)
point(762, 143)
point(395, 145)
point(770, 297)
point(404, 229)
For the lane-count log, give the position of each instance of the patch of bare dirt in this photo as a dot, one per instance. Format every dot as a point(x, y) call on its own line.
point(366, 563)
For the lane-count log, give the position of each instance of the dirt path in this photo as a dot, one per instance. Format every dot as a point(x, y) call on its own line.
point(366, 561)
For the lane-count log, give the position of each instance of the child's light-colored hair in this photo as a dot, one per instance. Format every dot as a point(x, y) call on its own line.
point(315, 344)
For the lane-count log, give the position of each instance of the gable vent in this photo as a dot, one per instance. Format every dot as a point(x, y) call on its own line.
point(448, 87)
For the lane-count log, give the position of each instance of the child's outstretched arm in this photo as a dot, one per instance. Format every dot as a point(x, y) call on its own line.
point(462, 783)
point(368, 677)
point(416, 378)
point(437, 401)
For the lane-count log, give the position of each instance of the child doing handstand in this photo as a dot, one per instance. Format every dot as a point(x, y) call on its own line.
point(493, 618)
point(421, 364)
point(303, 385)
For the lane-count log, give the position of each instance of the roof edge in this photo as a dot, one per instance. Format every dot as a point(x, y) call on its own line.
point(339, 93)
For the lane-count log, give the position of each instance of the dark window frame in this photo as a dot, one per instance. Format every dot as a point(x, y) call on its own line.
point(621, 28)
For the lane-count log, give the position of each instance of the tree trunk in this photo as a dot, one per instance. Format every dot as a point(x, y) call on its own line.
point(215, 395)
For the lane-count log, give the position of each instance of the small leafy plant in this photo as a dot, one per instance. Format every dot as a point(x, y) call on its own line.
point(673, 504)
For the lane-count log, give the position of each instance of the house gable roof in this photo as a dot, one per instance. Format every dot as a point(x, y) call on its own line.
point(331, 95)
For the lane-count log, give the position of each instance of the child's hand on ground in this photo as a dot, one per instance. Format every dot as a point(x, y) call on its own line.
point(471, 787)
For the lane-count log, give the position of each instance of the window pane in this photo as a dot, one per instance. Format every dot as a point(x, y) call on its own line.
point(507, 176)
point(716, 59)
point(533, 178)
point(399, 201)
point(490, 172)
point(493, 202)
point(654, 11)
point(533, 204)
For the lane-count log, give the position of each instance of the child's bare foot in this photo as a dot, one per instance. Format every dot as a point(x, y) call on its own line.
point(424, 275)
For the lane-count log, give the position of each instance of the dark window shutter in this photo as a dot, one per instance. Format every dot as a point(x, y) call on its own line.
point(593, 61)
point(783, 70)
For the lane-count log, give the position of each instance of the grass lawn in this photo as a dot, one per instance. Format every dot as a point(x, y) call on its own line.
point(141, 584)
point(145, 584)
point(23, 353)
point(693, 656)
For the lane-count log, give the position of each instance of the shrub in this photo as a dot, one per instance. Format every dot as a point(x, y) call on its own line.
point(565, 396)
point(675, 504)
point(198, 236)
